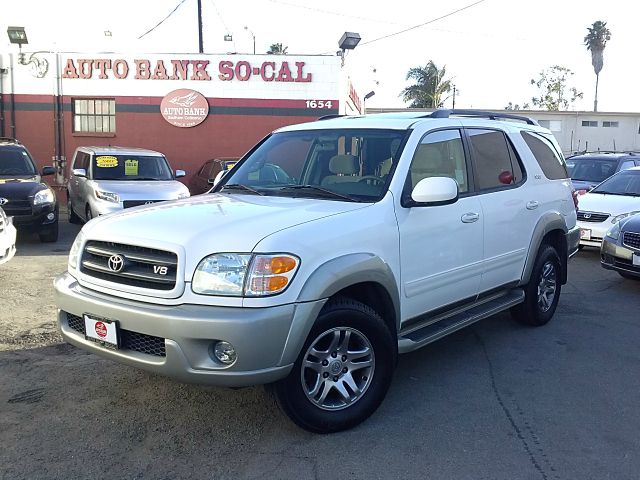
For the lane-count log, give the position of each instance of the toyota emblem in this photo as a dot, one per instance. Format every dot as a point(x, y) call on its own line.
point(587, 215)
point(116, 263)
point(3, 201)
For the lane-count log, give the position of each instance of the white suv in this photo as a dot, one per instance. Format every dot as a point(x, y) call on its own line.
point(328, 249)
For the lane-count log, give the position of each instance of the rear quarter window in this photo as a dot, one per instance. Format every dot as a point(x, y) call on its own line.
point(550, 161)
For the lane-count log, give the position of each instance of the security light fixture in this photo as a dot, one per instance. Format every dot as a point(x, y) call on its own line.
point(349, 41)
point(369, 95)
point(17, 35)
point(228, 38)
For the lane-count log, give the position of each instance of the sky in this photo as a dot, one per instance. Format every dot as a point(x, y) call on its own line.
point(491, 50)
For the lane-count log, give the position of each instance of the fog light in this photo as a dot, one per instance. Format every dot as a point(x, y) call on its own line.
point(225, 352)
point(51, 216)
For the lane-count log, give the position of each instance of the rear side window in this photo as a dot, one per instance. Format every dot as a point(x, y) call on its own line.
point(495, 160)
point(551, 163)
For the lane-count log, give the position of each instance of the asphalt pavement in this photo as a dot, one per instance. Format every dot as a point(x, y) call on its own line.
point(494, 401)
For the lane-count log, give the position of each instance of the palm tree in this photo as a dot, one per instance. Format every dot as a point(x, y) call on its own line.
point(595, 41)
point(429, 88)
point(277, 49)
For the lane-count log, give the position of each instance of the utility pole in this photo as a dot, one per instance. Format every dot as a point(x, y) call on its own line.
point(200, 46)
point(454, 98)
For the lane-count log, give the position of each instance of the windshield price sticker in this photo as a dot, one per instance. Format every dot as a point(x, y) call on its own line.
point(131, 167)
point(230, 166)
point(106, 161)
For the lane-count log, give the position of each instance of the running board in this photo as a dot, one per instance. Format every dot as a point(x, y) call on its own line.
point(419, 337)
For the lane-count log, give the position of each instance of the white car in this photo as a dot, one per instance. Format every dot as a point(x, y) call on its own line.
point(614, 199)
point(7, 238)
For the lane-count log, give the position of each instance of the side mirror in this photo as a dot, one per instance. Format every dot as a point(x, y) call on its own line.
point(435, 191)
point(79, 172)
point(180, 173)
point(48, 171)
point(219, 176)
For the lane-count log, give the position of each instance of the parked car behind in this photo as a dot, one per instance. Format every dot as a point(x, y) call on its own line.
point(202, 181)
point(616, 198)
point(7, 238)
point(589, 169)
point(621, 248)
point(107, 179)
point(23, 195)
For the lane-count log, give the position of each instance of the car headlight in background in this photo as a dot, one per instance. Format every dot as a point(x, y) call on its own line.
point(44, 196)
point(74, 253)
point(614, 232)
point(108, 196)
point(617, 218)
point(246, 275)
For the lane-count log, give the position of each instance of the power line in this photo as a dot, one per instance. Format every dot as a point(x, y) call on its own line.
point(163, 20)
point(338, 14)
point(423, 24)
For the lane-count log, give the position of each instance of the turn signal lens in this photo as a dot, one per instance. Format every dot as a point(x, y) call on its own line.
point(271, 274)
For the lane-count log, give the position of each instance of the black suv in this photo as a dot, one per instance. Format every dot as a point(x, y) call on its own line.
point(589, 169)
point(23, 196)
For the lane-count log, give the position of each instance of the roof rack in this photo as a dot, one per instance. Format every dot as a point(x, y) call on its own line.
point(329, 117)
point(9, 140)
point(445, 113)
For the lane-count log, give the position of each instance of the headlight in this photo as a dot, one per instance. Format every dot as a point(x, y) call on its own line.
point(74, 253)
point(108, 196)
point(617, 218)
point(44, 196)
point(614, 232)
point(183, 195)
point(244, 275)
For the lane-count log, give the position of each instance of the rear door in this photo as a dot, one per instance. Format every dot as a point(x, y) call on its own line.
point(509, 208)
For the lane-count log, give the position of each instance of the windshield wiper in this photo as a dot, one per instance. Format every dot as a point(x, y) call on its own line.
point(319, 190)
point(604, 192)
point(239, 186)
point(145, 178)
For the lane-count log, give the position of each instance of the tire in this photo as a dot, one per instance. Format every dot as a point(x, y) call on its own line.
point(543, 290)
point(309, 396)
point(73, 216)
point(50, 233)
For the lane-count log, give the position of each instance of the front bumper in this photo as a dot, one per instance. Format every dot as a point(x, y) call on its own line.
point(592, 233)
point(619, 258)
point(7, 243)
point(267, 340)
point(36, 219)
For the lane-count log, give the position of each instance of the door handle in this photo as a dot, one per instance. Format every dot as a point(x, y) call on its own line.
point(532, 205)
point(470, 217)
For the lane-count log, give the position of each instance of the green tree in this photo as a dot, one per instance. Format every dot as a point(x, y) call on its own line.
point(277, 49)
point(595, 41)
point(517, 106)
point(555, 94)
point(429, 88)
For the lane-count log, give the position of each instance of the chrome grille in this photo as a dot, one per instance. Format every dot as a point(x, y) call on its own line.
point(631, 240)
point(16, 208)
point(592, 216)
point(138, 342)
point(130, 265)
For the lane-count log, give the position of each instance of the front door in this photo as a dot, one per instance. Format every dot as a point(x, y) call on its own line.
point(441, 247)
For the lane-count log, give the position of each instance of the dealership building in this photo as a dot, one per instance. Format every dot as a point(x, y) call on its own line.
point(191, 107)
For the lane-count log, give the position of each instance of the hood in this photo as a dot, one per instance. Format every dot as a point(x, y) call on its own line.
point(20, 188)
point(611, 204)
point(211, 223)
point(142, 189)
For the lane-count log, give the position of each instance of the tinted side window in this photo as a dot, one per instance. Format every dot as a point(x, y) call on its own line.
point(627, 164)
point(440, 154)
point(495, 160)
point(550, 161)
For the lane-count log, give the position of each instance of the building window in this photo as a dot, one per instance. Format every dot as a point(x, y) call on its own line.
point(553, 125)
point(610, 124)
point(589, 123)
point(94, 115)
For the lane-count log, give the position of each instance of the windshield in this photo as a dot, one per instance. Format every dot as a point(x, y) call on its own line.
point(130, 167)
point(591, 169)
point(335, 164)
point(16, 161)
point(627, 182)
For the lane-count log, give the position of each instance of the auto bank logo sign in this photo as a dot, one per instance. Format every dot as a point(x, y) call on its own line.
point(184, 108)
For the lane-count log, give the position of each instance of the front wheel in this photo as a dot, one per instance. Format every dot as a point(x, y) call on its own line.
point(543, 290)
point(343, 371)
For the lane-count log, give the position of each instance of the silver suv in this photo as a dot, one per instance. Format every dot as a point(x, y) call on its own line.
point(326, 251)
point(107, 179)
